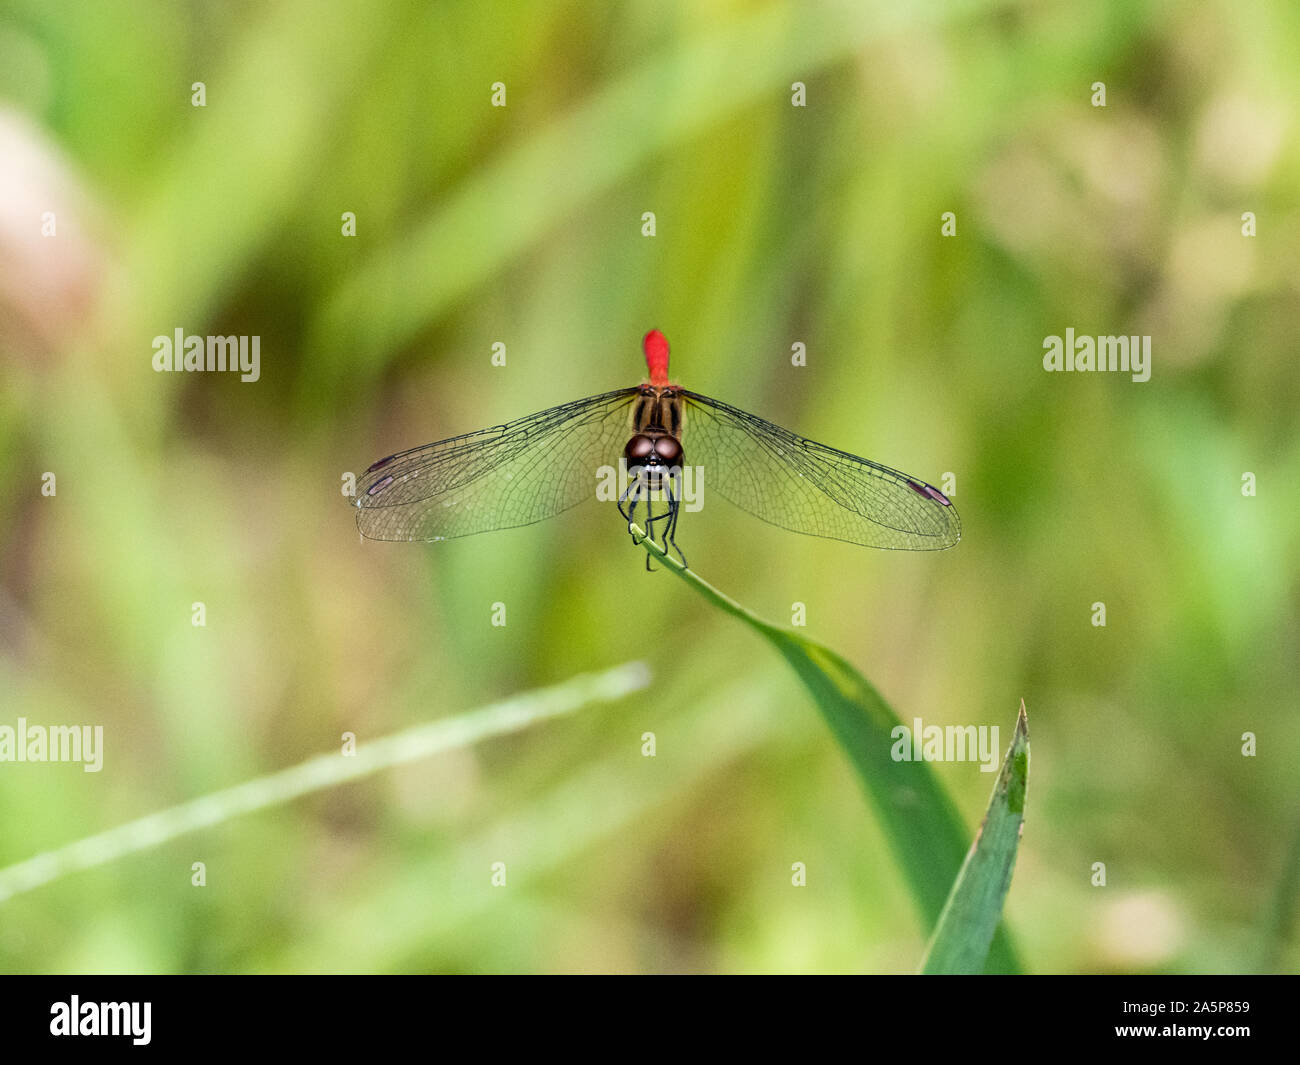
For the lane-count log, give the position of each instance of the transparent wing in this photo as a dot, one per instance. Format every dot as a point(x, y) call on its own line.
point(498, 478)
point(807, 487)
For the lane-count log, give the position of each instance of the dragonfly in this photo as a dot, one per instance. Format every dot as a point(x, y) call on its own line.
point(655, 435)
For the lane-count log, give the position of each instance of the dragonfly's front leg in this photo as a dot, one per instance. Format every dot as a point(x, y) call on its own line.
point(627, 502)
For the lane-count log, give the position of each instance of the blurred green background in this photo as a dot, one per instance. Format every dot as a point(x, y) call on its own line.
point(522, 225)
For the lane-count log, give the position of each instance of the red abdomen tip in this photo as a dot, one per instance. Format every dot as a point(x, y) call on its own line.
point(655, 346)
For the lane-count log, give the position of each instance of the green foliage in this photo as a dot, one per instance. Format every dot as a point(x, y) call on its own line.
point(919, 819)
point(961, 939)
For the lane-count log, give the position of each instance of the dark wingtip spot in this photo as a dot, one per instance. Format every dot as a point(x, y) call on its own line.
point(382, 462)
point(930, 493)
point(379, 486)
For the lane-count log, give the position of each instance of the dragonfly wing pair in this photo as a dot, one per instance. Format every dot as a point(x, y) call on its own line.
point(539, 466)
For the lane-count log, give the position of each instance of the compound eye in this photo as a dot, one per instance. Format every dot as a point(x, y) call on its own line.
point(638, 449)
point(669, 450)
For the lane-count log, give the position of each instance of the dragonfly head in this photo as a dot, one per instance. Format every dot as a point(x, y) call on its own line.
point(654, 451)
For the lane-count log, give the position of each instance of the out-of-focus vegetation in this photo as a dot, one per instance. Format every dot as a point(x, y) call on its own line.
point(775, 225)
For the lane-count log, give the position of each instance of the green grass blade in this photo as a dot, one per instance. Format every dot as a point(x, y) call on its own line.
point(324, 771)
point(961, 939)
point(920, 821)
point(1281, 916)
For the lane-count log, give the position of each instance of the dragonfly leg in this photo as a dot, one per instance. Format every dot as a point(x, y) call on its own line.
point(670, 530)
point(651, 519)
point(668, 519)
point(627, 514)
point(631, 496)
